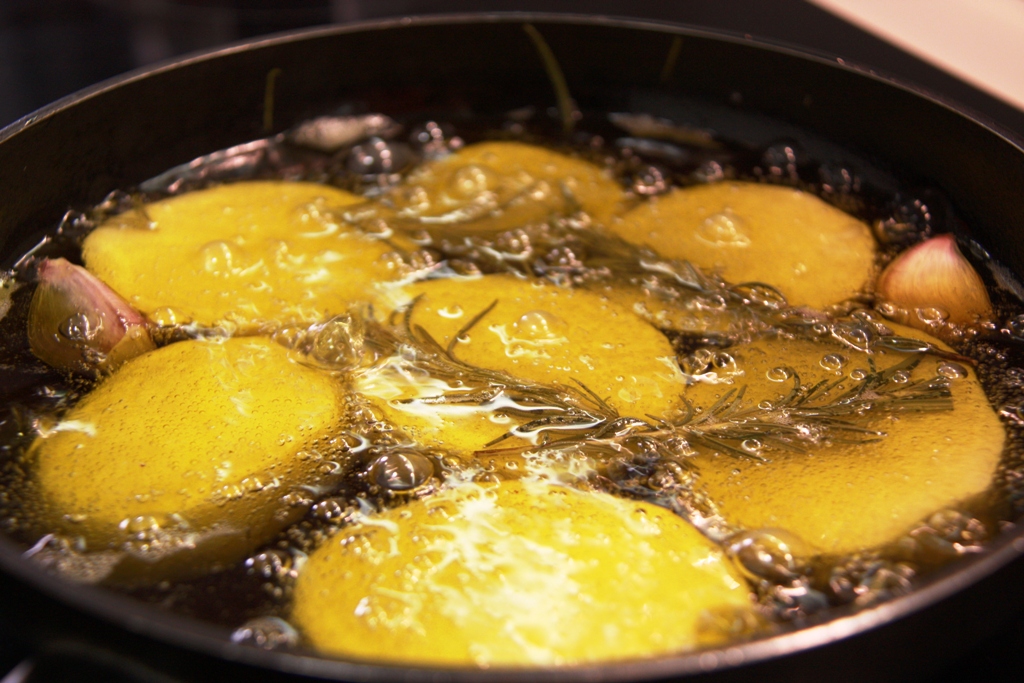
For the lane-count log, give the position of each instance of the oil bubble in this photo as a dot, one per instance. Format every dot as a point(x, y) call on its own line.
point(780, 160)
point(669, 475)
point(779, 373)
point(330, 467)
point(270, 564)
point(296, 499)
point(80, 327)
point(833, 362)
point(797, 601)
point(140, 525)
point(724, 361)
point(954, 525)
point(836, 179)
point(514, 244)
point(882, 583)
point(378, 156)
point(416, 199)
point(166, 316)
point(471, 180)
point(910, 221)
point(931, 315)
point(401, 470)
point(867, 316)
point(889, 309)
point(868, 579)
point(564, 257)
point(951, 370)
point(339, 342)
point(539, 326)
point(950, 533)
point(651, 180)
point(752, 446)
point(434, 138)
point(723, 229)
point(856, 336)
point(289, 336)
point(1015, 326)
point(767, 554)
point(424, 259)
point(93, 356)
point(703, 357)
point(452, 312)
point(267, 633)
point(761, 294)
point(332, 510)
point(1014, 413)
point(464, 268)
point(808, 432)
point(710, 171)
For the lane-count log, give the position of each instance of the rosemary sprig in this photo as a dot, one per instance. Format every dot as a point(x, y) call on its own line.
point(547, 408)
point(566, 106)
point(575, 416)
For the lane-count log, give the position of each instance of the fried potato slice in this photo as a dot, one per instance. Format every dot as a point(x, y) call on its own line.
point(515, 574)
point(812, 252)
point(242, 254)
point(182, 458)
point(536, 331)
point(501, 185)
point(843, 497)
point(399, 391)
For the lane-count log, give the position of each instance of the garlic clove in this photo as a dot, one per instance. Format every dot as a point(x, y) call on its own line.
point(934, 277)
point(77, 323)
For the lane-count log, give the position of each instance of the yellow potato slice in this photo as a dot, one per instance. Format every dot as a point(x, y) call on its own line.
point(812, 252)
point(241, 254)
point(846, 497)
point(501, 185)
point(459, 429)
point(189, 449)
point(539, 332)
point(515, 574)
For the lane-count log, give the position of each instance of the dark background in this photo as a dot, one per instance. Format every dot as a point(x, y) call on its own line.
point(51, 48)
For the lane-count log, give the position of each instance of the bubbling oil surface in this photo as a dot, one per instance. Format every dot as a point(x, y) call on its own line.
point(381, 469)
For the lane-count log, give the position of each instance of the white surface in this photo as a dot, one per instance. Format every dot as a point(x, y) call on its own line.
point(980, 41)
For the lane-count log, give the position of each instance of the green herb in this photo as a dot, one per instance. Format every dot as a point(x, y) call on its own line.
point(671, 58)
point(547, 407)
point(569, 416)
point(566, 107)
point(268, 99)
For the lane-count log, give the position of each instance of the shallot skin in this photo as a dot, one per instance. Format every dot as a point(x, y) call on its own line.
point(935, 275)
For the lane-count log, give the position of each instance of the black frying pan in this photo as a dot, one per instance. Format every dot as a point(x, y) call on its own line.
point(125, 131)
